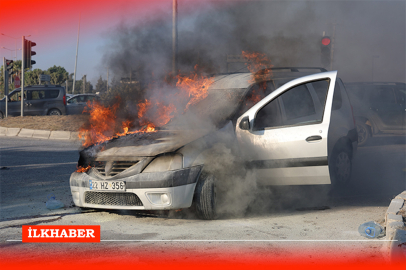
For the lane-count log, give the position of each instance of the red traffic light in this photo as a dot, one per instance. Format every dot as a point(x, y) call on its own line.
point(325, 41)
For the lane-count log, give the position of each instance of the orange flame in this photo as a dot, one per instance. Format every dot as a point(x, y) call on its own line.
point(195, 86)
point(259, 65)
point(103, 124)
point(80, 169)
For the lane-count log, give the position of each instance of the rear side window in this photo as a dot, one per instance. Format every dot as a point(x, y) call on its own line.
point(53, 93)
point(382, 95)
point(37, 94)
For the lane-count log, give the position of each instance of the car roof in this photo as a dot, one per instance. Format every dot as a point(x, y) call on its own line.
point(77, 95)
point(245, 80)
point(42, 87)
point(375, 83)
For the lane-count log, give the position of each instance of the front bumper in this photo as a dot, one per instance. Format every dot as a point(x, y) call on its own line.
point(178, 185)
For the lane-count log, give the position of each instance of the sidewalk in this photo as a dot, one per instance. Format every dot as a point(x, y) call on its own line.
point(38, 134)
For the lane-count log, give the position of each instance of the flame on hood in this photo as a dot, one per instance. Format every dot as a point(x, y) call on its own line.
point(152, 113)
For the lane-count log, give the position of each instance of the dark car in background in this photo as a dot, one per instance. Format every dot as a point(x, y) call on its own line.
point(379, 108)
point(38, 100)
point(77, 103)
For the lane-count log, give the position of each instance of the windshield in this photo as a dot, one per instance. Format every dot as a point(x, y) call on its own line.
point(217, 108)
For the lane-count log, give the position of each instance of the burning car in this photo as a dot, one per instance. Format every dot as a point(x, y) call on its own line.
point(294, 128)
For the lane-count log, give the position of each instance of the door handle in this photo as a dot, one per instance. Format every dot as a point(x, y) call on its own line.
point(313, 138)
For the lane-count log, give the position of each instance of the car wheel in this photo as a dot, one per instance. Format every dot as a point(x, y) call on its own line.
point(363, 133)
point(341, 167)
point(54, 112)
point(205, 197)
point(1, 115)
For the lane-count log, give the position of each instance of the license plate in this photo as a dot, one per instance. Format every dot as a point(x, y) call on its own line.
point(107, 185)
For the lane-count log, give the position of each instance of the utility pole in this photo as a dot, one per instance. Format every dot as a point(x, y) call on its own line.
point(22, 76)
point(84, 84)
point(5, 78)
point(174, 37)
point(76, 59)
point(332, 45)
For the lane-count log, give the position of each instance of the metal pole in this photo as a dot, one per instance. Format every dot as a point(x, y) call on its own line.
point(84, 84)
point(174, 37)
point(22, 78)
point(76, 60)
point(5, 77)
point(332, 46)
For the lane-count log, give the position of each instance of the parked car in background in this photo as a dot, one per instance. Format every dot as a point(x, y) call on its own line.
point(77, 103)
point(379, 108)
point(296, 128)
point(38, 100)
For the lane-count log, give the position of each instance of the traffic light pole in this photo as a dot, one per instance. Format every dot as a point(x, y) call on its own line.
point(22, 77)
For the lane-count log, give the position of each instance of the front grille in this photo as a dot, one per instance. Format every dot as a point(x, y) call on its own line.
point(111, 168)
point(112, 198)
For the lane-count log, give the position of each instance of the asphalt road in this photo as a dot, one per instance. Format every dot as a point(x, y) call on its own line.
point(284, 222)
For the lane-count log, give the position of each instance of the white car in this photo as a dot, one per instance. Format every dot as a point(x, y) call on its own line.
point(300, 132)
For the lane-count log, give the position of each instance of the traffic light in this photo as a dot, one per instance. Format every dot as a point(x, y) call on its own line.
point(325, 51)
point(28, 44)
point(10, 70)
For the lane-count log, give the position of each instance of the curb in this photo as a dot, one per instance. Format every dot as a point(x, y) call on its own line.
point(396, 228)
point(38, 134)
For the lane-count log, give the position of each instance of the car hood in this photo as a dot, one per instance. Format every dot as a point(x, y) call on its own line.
point(208, 115)
point(148, 144)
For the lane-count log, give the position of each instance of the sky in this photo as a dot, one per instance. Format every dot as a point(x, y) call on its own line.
point(53, 26)
point(369, 35)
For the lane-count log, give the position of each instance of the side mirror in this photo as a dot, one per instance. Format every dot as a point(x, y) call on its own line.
point(245, 123)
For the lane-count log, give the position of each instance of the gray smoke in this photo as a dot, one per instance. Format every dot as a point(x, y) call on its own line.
point(369, 45)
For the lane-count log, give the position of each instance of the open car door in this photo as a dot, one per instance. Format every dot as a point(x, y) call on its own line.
point(284, 136)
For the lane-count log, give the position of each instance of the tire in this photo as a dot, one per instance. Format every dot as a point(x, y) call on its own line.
point(54, 112)
point(363, 133)
point(341, 167)
point(1, 115)
point(205, 197)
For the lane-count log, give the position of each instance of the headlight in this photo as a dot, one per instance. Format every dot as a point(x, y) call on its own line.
point(164, 163)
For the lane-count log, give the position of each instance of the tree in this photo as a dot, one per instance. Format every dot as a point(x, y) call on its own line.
point(32, 77)
point(101, 86)
point(58, 74)
point(79, 87)
point(17, 72)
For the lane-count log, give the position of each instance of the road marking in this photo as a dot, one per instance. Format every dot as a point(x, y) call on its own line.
point(43, 164)
point(281, 240)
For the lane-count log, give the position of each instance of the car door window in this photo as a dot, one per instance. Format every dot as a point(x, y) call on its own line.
point(81, 99)
point(269, 116)
point(15, 97)
point(73, 100)
point(294, 107)
point(298, 104)
point(90, 98)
